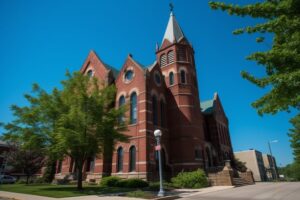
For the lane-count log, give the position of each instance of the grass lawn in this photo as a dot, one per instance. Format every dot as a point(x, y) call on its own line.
point(59, 191)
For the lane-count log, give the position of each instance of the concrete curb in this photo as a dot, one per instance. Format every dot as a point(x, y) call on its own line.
point(208, 190)
point(192, 192)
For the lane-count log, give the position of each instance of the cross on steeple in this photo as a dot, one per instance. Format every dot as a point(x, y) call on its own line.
point(171, 7)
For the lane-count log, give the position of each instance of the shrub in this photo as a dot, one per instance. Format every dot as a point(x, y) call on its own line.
point(21, 181)
point(195, 179)
point(110, 181)
point(133, 183)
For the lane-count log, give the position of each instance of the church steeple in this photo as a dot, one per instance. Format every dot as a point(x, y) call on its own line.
point(176, 60)
point(173, 33)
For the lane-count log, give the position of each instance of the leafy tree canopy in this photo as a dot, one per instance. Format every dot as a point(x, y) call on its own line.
point(282, 61)
point(79, 121)
point(295, 138)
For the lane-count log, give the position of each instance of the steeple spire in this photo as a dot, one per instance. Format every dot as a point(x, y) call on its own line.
point(173, 32)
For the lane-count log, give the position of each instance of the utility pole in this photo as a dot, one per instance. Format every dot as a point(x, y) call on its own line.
point(273, 163)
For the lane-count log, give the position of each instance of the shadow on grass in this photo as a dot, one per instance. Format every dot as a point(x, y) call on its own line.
point(88, 190)
point(59, 191)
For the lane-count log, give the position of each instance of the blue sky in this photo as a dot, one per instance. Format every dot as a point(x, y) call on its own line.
point(39, 40)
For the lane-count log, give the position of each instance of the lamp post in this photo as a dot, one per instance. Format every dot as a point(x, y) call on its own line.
point(273, 163)
point(158, 134)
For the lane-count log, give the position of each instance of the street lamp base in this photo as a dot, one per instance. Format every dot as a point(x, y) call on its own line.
point(161, 193)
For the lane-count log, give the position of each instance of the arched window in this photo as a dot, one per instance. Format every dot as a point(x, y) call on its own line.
point(170, 57)
point(182, 76)
point(121, 103)
point(157, 78)
point(198, 153)
point(71, 167)
point(132, 158)
point(163, 60)
point(90, 73)
point(90, 164)
point(119, 159)
point(59, 166)
point(154, 109)
point(133, 108)
point(208, 155)
point(162, 113)
point(171, 78)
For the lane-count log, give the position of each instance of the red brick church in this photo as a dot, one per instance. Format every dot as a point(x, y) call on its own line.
point(163, 96)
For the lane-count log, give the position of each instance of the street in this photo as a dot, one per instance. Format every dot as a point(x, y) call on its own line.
point(259, 191)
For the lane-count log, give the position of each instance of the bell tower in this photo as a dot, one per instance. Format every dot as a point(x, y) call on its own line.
point(185, 121)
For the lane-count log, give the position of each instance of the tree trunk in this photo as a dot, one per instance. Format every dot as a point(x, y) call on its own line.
point(107, 157)
point(79, 176)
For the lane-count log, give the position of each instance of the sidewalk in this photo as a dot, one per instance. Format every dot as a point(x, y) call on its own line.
point(191, 192)
point(180, 193)
point(20, 196)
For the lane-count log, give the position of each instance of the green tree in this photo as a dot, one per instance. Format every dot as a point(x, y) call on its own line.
point(281, 62)
point(89, 120)
point(291, 172)
point(295, 138)
point(79, 121)
point(25, 160)
point(34, 125)
point(239, 165)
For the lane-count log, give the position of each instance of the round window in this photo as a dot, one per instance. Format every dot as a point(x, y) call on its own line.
point(90, 73)
point(128, 75)
point(157, 78)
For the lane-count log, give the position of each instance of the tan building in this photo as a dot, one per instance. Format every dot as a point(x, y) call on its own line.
point(254, 162)
point(270, 167)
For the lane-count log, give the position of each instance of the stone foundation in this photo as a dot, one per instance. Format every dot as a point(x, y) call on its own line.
point(96, 177)
point(222, 178)
point(228, 177)
point(140, 175)
point(248, 176)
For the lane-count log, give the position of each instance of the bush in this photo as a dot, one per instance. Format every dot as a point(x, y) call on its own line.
point(195, 179)
point(133, 183)
point(21, 181)
point(110, 181)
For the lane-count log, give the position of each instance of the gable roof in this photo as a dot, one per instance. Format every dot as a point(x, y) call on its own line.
point(207, 107)
point(93, 54)
point(114, 71)
point(212, 106)
point(151, 66)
